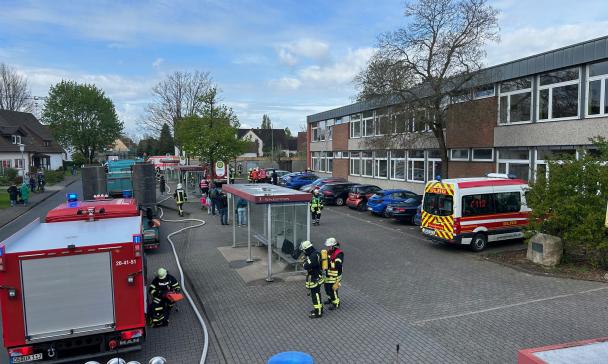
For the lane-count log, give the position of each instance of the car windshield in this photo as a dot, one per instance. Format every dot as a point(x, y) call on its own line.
point(438, 204)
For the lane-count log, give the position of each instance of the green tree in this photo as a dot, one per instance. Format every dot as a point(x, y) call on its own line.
point(266, 122)
point(288, 132)
point(571, 203)
point(82, 117)
point(148, 146)
point(211, 135)
point(165, 142)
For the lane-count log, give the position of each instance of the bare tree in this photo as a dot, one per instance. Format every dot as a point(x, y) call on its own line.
point(178, 96)
point(424, 65)
point(15, 94)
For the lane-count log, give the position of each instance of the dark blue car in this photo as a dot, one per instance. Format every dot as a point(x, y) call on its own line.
point(298, 180)
point(404, 211)
point(377, 203)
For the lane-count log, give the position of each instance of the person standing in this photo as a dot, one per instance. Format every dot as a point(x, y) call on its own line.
point(162, 185)
point(25, 193)
point(274, 177)
point(13, 193)
point(204, 186)
point(315, 207)
point(41, 182)
point(32, 183)
point(333, 274)
point(241, 210)
point(314, 277)
point(223, 207)
point(213, 195)
point(180, 198)
point(162, 284)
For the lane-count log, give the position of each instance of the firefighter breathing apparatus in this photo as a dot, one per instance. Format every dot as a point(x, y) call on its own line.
point(199, 316)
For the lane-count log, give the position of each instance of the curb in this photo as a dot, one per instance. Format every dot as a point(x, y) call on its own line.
point(31, 206)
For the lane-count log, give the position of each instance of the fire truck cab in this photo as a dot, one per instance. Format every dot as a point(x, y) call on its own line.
point(475, 211)
point(72, 290)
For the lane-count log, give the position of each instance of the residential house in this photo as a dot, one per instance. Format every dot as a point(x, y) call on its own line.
point(267, 139)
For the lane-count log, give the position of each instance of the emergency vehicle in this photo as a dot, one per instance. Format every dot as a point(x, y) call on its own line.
point(105, 208)
point(72, 290)
point(164, 161)
point(475, 211)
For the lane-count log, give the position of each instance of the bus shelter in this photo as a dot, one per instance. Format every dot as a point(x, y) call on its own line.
point(190, 177)
point(277, 217)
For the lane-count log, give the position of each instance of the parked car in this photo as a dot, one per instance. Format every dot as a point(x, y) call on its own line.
point(418, 217)
point(335, 193)
point(320, 182)
point(377, 203)
point(358, 195)
point(283, 179)
point(404, 211)
point(280, 173)
point(299, 180)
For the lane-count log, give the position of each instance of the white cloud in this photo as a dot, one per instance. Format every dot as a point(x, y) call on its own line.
point(286, 57)
point(289, 53)
point(285, 83)
point(157, 62)
point(528, 41)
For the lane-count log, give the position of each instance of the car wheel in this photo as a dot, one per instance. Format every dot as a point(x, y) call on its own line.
point(479, 242)
point(385, 214)
point(362, 206)
point(339, 201)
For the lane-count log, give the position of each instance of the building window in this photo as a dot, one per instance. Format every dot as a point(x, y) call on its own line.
point(514, 162)
point(597, 89)
point(329, 127)
point(355, 126)
point(400, 121)
point(382, 123)
point(47, 143)
point(459, 154)
point(415, 166)
point(314, 127)
point(482, 92)
point(558, 94)
point(330, 162)
point(418, 121)
point(483, 154)
point(18, 163)
point(515, 102)
point(367, 164)
point(6, 163)
point(381, 164)
point(315, 161)
point(368, 124)
point(543, 155)
point(16, 139)
point(322, 162)
point(398, 165)
point(434, 164)
point(355, 163)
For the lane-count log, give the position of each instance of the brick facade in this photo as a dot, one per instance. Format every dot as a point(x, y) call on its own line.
point(340, 168)
point(340, 137)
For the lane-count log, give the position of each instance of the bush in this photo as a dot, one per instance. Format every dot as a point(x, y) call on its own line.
point(571, 204)
point(53, 177)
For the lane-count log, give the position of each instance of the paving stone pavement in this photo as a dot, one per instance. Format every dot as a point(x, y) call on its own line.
point(441, 304)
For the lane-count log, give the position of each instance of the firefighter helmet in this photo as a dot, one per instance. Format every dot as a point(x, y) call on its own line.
point(315, 192)
point(305, 245)
point(331, 242)
point(179, 186)
point(116, 361)
point(161, 273)
point(158, 360)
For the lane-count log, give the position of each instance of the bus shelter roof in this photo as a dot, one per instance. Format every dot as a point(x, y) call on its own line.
point(265, 193)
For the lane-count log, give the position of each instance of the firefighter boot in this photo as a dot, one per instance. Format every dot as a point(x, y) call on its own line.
point(314, 314)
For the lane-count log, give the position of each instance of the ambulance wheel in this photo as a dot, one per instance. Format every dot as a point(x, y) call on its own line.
point(479, 242)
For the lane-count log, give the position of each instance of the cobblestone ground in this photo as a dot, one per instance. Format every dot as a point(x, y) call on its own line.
point(440, 304)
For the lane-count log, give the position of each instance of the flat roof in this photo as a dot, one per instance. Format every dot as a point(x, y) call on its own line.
point(265, 193)
point(57, 235)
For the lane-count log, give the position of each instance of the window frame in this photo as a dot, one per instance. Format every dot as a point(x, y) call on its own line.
point(431, 166)
point(377, 161)
point(364, 159)
point(314, 157)
point(393, 164)
point(460, 159)
point(508, 94)
point(603, 89)
point(473, 159)
point(353, 121)
point(364, 122)
point(16, 139)
point(508, 162)
point(329, 162)
point(552, 86)
point(410, 168)
point(352, 162)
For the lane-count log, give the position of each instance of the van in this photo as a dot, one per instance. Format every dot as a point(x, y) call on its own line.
point(475, 211)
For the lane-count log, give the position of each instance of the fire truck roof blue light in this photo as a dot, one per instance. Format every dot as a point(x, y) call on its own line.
point(71, 197)
point(137, 239)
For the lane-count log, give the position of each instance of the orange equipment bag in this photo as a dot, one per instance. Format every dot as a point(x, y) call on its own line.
point(175, 297)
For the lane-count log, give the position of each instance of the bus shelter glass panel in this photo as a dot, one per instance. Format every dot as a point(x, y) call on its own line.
point(288, 227)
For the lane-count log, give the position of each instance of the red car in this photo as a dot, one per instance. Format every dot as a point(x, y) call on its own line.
point(358, 195)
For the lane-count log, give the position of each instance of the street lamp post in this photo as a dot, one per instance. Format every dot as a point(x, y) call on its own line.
point(22, 149)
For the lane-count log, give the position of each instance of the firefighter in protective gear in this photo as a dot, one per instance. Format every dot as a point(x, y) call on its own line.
point(316, 205)
point(161, 307)
point(180, 197)
point(333, 274)
point(314, 277)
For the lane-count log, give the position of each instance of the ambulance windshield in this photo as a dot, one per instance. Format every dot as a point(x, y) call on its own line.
point(438, 204)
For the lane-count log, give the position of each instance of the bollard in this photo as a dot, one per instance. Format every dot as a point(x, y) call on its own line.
point(291, 357)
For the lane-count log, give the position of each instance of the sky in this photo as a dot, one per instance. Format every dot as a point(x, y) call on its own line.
point(284, 58)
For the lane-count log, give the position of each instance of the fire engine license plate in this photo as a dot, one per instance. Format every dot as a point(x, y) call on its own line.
point(428, 231)
point(26, 358)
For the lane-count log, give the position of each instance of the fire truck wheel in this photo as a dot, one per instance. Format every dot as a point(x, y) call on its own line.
point(479, 242)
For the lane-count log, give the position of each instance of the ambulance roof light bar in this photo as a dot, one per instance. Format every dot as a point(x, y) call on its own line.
point(501, 175)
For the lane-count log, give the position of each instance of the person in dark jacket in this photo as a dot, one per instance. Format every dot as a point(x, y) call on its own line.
point(333, 274)
point(13, 194)
point(314, 277)
point(161, 307)
point(213, 195)
point(274, 177)
point(32, 183)
point(222, 205)
point(162, 185)
point(41, 182)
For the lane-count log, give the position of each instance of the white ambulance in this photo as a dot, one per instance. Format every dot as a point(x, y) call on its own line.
point(475, 211)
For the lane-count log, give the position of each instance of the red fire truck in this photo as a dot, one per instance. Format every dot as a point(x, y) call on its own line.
point(72, 290)
point(104, 208)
